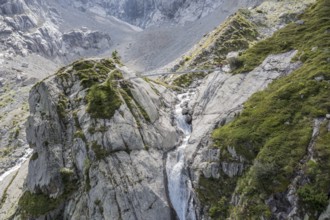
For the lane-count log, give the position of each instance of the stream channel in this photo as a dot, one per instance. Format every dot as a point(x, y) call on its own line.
point(179, 184)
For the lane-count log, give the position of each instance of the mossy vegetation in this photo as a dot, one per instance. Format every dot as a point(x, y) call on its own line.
point(34, 156)
point(79, 134)
point(69, 181)
point(99, 78)
point(217, 198)
point(90, 72)
point(87, 166)
point(83, 65)
point(93, 130)
point(116, 57)
point(234, 35)
point(274, 129)
point(131, 102)
point(99, 81)
point(312, 39)
point(116, 75)
point(33, 205)
point(62, 106)
point(103, 100)
point(99, 204)
point(99, 151)
point(186, 80)
point(313, 195)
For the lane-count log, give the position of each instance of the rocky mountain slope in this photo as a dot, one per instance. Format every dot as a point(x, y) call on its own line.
point(39, 37)
point(247, 141)
point(31, 27)
point(274, 153)
point(145, 13)
point(121, 121)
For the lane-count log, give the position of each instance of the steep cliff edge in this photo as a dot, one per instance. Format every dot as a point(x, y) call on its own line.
point(98, 145)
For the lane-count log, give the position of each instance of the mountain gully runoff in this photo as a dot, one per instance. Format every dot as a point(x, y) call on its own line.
point(179, 184)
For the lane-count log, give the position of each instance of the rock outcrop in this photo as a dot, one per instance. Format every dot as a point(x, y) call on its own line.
point(31, 27)
point(219, 100)
point(264, 157)
point(98, 163)
point(145, 13)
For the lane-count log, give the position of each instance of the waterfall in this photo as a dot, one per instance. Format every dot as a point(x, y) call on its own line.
point(18, 164)
point(179, 184)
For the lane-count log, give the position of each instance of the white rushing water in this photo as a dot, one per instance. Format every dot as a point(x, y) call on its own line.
point(18, 164)
point(179, 185)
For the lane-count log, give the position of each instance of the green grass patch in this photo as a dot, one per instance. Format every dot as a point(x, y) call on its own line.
point(274, 129)
point(83, 65)
point(186, 80)
point(33, 205)
point(87, 166)
point(313, 198)
point(313, 195)
point(100, 152)
point(108, 63)
point(90, 72)
point(217, 198)
point(103, 101)
point(34, 156)
point(116, 57)
point(90, 77)
point(312, 34)
point(62, 106)
point(235, 34)
point(129, 98)
point(116, 75)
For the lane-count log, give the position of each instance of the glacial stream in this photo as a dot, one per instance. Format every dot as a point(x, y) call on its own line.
point(179, 184)
point(18, 164)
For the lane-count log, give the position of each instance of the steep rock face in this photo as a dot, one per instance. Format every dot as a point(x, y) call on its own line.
point(98, 164)
point(146, 13)
point(268, 161)
point(218, 101)
point(12, 7)
point(31, 47)
point(33, 27)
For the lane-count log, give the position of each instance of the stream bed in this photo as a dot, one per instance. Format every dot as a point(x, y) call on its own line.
point(179, 184)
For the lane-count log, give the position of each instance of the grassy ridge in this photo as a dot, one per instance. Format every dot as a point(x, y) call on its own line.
point(235, 34)
point(309, 38)
point(274, 130)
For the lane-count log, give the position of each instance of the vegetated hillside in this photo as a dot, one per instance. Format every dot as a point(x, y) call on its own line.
point(236, 34)
point(282, 136)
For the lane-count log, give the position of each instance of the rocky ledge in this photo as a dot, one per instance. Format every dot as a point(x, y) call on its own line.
point(99, 142)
